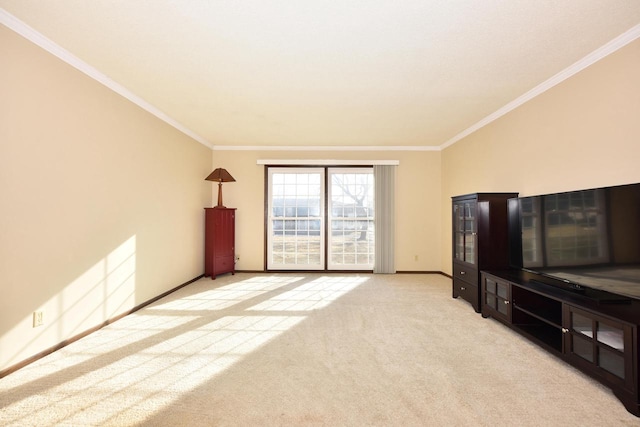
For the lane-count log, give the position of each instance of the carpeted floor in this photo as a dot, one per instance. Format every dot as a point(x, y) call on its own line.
point(305, 350)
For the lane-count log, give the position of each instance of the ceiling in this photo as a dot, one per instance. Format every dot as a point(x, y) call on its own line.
point(356, 73)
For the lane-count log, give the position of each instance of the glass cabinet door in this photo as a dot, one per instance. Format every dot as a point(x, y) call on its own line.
point(600, 342)
point(464, 226)
point(496, 297)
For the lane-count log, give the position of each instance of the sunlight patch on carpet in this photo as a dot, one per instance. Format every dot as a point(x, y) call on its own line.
point(314, 295)
point(228, 295)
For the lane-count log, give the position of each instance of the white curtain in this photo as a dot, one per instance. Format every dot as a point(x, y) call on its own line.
point(385, 181)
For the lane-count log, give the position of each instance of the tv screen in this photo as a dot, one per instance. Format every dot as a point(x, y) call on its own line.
point(588, 237)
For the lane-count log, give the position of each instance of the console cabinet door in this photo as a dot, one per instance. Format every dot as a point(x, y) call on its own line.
point(599, 344)
point(496, 298)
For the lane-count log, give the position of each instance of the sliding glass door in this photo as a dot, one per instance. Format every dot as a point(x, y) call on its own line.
point(303, 234)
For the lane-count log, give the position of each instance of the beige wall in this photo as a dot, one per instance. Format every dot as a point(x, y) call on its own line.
point(101, 202)
point(583, 133)
point(417, 199)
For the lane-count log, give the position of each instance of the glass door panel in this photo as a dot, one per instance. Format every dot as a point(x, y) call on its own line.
point(460, 246)
point(470, 218)
point(503, 296)
point(582, 347)
point(490, 293)
point(470, 248)
point(295, 240)
point(458, 218)
point(611, 336)
point(502, 307)
point(581, 324)
point(503, 290)
point(351, 234)
point(611, 361)
point(491, 286)
point(490, 301)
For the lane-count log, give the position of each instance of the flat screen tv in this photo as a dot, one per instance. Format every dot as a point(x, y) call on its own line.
point(587, 238)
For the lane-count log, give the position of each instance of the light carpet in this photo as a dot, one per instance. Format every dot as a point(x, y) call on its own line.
point(304, 350)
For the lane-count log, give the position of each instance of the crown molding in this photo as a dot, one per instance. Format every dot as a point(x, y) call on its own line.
point(563, 75)
point(324, 148)
point(58, 51)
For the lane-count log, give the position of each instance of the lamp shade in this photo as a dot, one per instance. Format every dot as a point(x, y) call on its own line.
point(220, 175)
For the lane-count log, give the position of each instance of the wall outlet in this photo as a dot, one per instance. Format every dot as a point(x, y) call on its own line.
point(415, 257)
point(38, 318)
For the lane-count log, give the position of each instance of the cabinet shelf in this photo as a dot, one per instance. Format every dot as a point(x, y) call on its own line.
point(542, 332)
point(541, 307)
point(551, 316)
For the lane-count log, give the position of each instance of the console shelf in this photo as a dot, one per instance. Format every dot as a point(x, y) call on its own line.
point(550, 317)
point(543, 333)
point(597, 337)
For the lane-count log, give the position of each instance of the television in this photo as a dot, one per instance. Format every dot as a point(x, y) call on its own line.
point(582, 240)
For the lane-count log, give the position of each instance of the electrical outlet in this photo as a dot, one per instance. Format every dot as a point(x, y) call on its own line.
point(415, 257)
point(38, 318)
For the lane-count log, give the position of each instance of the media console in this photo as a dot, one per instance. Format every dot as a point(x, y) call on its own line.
point(594, 330)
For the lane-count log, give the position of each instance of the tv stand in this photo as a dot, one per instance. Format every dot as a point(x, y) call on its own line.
point(581, 327)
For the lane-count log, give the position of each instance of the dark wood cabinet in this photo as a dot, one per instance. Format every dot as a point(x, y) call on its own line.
point(479, 241)
point(219, 248)
point(589, 329)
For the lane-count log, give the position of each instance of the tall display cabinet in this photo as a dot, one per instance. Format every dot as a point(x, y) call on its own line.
point(480, 241)
point(219, 249)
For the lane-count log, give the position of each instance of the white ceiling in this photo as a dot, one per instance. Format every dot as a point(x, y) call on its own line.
point(359, 73)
